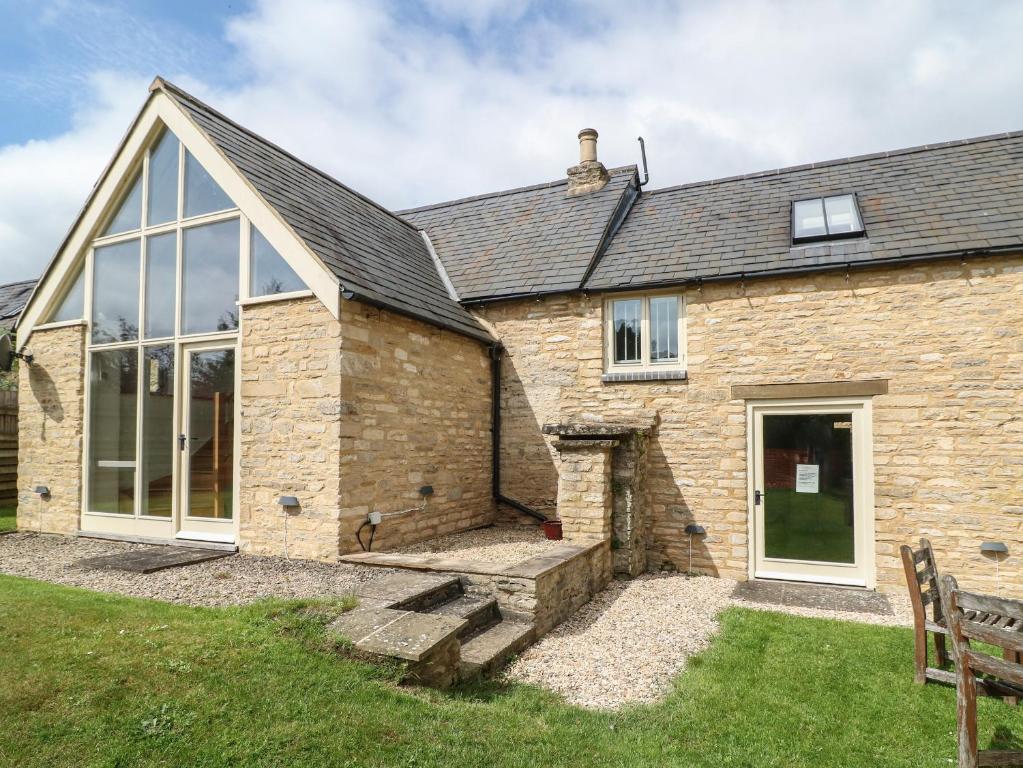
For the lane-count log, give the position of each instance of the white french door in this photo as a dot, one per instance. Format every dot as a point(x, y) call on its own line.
point(811, 491)
point(207, 442)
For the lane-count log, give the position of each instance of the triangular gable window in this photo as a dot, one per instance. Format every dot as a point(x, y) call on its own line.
point(269, 273)
point(129, 215)
point(202, 193)
point(163, 181)
point(72, 306)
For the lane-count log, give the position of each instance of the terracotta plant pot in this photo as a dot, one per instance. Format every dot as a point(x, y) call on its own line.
point(552, 529)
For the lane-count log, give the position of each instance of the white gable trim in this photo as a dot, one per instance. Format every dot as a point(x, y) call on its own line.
point(162, 108)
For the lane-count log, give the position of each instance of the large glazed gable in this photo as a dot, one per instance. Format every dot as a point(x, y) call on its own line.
point(377, 256)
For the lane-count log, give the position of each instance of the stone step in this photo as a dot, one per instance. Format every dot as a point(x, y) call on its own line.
point(492, 647)
point(409, 591)
point(428, 642)
point(479, 612)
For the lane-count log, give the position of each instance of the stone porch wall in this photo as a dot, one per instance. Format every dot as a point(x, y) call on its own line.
point(415, 411)
point(290, 428)
point(51, 401)
point(948, 436)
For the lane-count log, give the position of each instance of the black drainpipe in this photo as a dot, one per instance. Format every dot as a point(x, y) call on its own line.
point(496, 354)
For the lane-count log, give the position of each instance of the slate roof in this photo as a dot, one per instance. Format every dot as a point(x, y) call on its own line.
point(944, 199)
point(378, 256)
point(13, 297)
point(523, 241)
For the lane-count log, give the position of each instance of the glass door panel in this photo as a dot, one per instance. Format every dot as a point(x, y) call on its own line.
point(209, 439)
point(812, 500)
point(808, 495)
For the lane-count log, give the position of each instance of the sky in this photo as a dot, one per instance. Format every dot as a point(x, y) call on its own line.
point(418, 102)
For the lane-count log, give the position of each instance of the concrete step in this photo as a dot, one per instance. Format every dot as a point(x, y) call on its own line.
point(409, 591)
point(491, 648)
point(478, 611)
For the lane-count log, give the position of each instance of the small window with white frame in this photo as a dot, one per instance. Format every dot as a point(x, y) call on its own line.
point(645, 333)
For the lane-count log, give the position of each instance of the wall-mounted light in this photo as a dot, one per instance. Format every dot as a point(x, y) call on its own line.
point(42, 491)
point(288, 501)
point(426, 490)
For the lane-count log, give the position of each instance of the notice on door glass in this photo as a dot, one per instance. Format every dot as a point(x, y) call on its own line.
point(808, 478)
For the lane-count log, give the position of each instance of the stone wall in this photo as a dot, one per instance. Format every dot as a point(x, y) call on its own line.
point(948, 436)
point(51, 396)
point(415, 411)
point(290, 428)
point(584, 489)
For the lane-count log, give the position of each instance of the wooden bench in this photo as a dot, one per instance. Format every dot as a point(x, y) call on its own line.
point(995, 621)
point(922, 581)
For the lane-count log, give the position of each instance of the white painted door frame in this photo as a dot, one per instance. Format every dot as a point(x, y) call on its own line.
point(862, 572)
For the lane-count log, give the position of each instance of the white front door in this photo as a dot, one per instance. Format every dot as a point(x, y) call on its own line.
point(811, 491)
point(207, 442)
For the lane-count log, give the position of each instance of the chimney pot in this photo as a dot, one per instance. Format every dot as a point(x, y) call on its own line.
point(590, 175)
point(588, 145)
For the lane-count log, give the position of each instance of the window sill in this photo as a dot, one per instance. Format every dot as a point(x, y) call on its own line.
point(618, 377)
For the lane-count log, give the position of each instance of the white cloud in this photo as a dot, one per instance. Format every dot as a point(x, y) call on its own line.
point(450, 98)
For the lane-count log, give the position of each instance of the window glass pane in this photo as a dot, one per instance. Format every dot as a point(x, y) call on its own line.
point(842, 215)
point(163, 181)
point(808, 218)
point(269, 272)
point(202, 193)
point(113, 383)
point(158, 439)
point(72, 306)
point(129, 215)
point(161, 277)
point(628, 336)
point(210, 280)
point(115, 293)
point(663, 328)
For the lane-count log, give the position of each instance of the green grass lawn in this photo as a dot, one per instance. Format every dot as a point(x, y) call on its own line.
point(808, 526)
point(89, 679)
point(8, 522)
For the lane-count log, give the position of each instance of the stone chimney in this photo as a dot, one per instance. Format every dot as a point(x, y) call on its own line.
point(590, 175)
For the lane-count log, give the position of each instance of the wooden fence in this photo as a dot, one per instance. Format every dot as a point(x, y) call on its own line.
point(8, 447)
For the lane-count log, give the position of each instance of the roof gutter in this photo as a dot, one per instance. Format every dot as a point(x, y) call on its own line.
point(965, 253)
point(968, 253)
point(483, 337)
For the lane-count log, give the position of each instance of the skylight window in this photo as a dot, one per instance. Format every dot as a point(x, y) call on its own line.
point(825, 218)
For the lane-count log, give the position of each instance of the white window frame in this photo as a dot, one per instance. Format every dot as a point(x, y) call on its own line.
point(644, 364)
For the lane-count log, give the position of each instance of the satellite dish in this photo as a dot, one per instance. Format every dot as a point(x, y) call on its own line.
point(6, 352)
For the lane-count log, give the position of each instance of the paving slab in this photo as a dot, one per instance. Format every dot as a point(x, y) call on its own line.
point(411, 636)
point(398, 588)
point(360, 623)
point(821, 596)
point(151, 560)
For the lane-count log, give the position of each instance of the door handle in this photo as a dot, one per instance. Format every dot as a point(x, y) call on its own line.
point(758, 498)
point(181, 442)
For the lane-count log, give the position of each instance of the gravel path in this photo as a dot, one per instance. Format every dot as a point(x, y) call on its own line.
point(227, 581)
point(496, 544)
point(629, 643)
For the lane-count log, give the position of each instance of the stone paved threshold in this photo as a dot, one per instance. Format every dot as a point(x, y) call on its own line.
point(427, 621)
point(530, 568)
point(151, 560)
point(820, 596)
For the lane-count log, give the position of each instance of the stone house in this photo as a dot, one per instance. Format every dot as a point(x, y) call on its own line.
point(781, 375)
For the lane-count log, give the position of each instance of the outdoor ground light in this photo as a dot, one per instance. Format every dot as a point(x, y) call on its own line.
point(287, 502)
point(693, 530)
point(997, 549)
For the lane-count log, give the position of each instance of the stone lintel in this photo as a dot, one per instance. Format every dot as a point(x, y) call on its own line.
point(595, 429)
point(582, 445)
point(866, 388)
